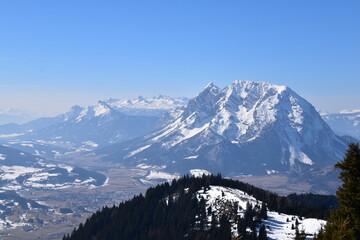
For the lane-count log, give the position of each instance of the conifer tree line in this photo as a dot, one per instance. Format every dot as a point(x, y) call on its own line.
point(344, 223)
point(172, 209)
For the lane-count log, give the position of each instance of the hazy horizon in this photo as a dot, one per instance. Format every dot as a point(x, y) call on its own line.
point(62, 105)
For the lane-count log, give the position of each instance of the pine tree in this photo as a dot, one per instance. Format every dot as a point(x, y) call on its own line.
point(262, 233)
point(349, 192)
point(209, 210)
point(300, 235)
point(225, 228)
point(263, 211)
point(241, 225)
point(344, 224)
point(338, 228)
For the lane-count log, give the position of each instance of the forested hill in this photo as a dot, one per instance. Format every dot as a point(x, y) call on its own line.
point(188, 208)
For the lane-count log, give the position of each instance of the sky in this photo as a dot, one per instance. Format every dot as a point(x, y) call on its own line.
point(55, 54)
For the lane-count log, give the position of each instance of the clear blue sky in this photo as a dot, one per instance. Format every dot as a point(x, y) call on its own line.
point(54, 54)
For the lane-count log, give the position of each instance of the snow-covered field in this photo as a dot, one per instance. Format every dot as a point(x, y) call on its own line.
point(278, 225)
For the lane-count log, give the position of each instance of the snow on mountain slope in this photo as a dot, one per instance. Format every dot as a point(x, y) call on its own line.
point(141, 106)
point(279, 225)
point(247, 127)
point(344, 122)
point(107, 122)
point(100, 124)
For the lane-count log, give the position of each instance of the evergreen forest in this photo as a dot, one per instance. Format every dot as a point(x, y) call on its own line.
point(171, 209)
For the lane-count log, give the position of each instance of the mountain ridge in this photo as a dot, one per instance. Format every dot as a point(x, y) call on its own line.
point(220, 124)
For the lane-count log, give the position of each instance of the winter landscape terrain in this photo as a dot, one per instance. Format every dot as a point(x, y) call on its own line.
point(181, 120)
point(206, 207)
point(55, 171)
point(279, 225)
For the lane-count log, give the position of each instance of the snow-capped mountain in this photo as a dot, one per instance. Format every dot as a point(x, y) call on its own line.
point(141, 106)
point(85, 128)
point(245, 128)
point(344, 123)
point(101, 124)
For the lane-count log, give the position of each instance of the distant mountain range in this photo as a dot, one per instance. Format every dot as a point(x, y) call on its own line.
point(85, 128)
point(345, 123)
point(245, 128)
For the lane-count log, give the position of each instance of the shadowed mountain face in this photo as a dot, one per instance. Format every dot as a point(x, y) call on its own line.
point(245, 128)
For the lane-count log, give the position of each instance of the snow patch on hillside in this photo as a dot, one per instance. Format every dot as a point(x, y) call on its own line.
point(278, 225)
point(138, 150)
point(186, 133)
point(100, 109)
point(161, 175)
point(199, 172)
point(11, 135)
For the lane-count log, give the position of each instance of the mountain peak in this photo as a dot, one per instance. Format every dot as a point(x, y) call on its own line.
point(257, 126)
point(141, 99)
point(73, 112)
point(101, 108)
point(210, 87)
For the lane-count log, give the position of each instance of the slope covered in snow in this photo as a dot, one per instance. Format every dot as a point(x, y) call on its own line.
point(141, 106)
point(107, 122)
point(207, 207)
point(278, 225)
